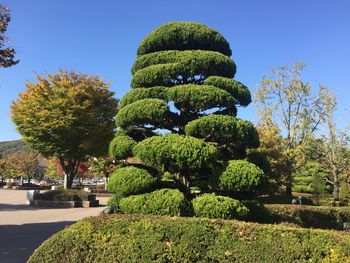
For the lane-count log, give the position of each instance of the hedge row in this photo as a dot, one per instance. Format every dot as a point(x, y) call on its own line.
point(130, 238)
point(324, 217)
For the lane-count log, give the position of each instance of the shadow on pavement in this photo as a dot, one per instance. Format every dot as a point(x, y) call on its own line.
point(10, 207)
point(18, 242)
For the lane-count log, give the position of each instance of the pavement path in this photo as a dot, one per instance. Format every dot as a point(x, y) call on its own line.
point(23, 228)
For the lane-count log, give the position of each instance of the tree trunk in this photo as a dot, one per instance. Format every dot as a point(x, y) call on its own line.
point(69, 170)
point(336, 186)
point(106, 182)
point(289, 184)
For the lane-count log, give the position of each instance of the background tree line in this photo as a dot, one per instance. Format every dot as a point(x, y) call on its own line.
point(306, 149)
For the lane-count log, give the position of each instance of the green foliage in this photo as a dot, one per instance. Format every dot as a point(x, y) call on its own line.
point(113, 201)
point(151, 111)
point(130, 180)
point(242, 176)
point(260, 160)
point(206, 63)
point(183, 36)
point(310, 178)
point(215, 206)
point(66, 114)
point(198, 98)
point(176, 153)
point(142, 93)
point(344, 192)
point(170, 202)
point(125, 238)
point(121, 146)
point(236, 89)
point(324, 217)
point(223, 129)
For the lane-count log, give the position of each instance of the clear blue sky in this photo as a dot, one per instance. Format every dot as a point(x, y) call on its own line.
point(101, 37)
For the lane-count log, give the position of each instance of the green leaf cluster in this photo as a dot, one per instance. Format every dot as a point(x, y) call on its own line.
point(131, 180)
point(184, 36)
point(223, 129)
point(198, 98)
point(121, 146)
point(241, 176)
point(215, 206)
point(240, 92)
point(176, 153)
point(147, 111)
point(170, 202)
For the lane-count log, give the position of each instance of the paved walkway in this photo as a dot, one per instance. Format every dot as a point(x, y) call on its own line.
point(23, 228)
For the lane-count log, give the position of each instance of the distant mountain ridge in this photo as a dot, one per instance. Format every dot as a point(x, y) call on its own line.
point(9, 147)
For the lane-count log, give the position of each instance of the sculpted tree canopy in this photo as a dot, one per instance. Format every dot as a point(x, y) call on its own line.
point(180, 115)
point(7, 54)
point(66, 115)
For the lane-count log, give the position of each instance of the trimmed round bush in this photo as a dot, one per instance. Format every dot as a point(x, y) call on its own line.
point(131, 180)
point(240, 92)
point(242, 176)
point(198, 98)
point(182, 36)
point(170, 202)
point(176, 153)
point(215, 206)
point(136, 238)
point(121, 146)
point(151, 111)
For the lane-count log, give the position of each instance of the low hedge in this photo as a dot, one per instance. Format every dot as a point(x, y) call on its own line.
point(65, 195)
point(215, 206)
point(323, 217)
point(131, 238)
point(161, 202)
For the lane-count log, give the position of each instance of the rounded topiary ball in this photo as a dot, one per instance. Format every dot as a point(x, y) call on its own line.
point(121, 146)
point(242, 176)
point(215, 206)
point(165, 201)
point(131, 180)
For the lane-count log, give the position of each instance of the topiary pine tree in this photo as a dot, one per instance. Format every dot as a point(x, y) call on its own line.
point(182, 84)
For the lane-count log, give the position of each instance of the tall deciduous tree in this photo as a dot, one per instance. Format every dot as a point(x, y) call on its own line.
point(335, 148)
point(25, 163)
point(7, 54)
point(285, 101)
point(66, 115)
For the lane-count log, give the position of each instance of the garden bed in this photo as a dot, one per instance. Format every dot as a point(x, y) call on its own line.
point(65, 199)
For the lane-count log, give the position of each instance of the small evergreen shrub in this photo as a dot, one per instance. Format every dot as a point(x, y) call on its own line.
point(170, 202)
point(324, 217)
point(215, 206)
point(131, 180)
point(242, 176)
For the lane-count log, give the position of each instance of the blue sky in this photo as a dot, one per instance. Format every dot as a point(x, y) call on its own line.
point(101, 38)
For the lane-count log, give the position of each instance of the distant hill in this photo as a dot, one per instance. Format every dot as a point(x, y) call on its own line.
point(9, 147)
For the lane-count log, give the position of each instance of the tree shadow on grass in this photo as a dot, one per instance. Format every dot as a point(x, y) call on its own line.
point(18, 242)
